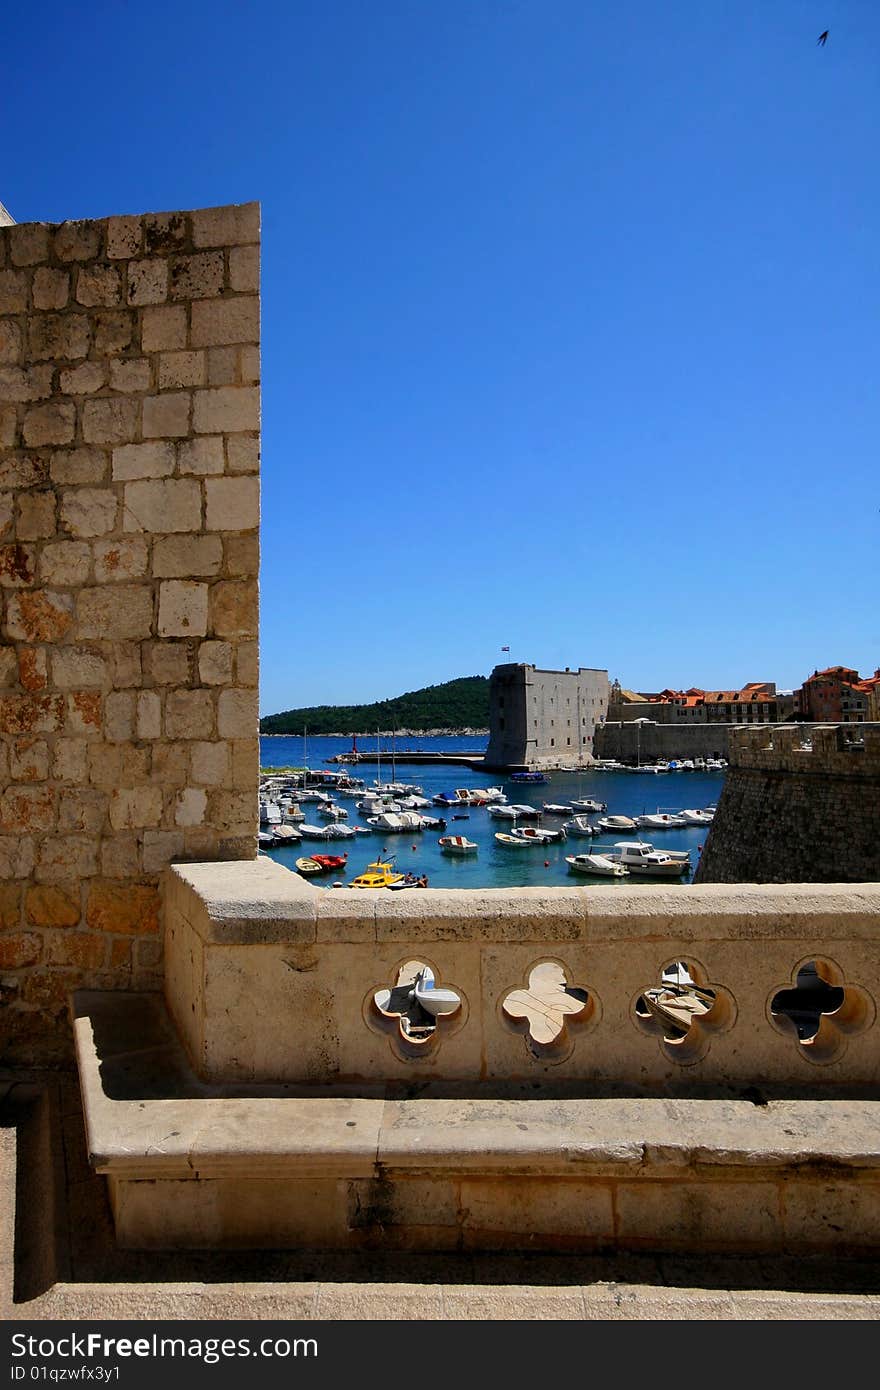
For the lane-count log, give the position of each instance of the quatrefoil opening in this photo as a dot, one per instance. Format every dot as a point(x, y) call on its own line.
point(820, 1010)
point(682, 1011)
point(545, 1008)
point(415, 1005)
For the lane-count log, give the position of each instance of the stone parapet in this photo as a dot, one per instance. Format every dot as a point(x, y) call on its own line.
point(271, 980)
point(849, 750)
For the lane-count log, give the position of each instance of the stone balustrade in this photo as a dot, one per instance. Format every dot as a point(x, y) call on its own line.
point(273, 980)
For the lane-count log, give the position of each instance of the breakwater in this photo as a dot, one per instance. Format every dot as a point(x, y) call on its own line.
point(410, 755)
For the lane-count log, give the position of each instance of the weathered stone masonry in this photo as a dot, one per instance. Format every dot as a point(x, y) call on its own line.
point(798, 806)
point(129, 554)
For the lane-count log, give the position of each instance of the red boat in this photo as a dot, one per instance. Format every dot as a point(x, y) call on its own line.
point(330, 861)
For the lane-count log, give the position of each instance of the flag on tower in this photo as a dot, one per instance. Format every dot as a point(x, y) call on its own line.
point(505, 649)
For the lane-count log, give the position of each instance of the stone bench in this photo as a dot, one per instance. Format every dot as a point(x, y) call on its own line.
point(192, 1164)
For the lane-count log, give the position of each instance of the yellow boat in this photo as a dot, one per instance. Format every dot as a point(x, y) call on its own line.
point(380, 874)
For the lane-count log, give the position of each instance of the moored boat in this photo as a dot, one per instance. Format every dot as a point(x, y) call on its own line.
point(579, 825)
point(381, 873)
point(457, 844)
point(676, 1006)
point(595, 865)
point(541, 834)
point(643, 859)
point(660, 820)
point(307, 866)
point(616, 823)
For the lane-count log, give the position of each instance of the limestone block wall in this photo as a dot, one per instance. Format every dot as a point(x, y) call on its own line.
point(129, 554)
point(799, 805)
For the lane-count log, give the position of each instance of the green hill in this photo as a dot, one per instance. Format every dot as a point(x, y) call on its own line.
point(454, 705)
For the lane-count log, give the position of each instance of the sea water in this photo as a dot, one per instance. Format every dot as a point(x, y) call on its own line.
point(493, 865)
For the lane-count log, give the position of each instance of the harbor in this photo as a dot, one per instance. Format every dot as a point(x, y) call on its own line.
point(496, 863)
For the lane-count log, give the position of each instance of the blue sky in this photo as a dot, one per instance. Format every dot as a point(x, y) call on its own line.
point(570, 315)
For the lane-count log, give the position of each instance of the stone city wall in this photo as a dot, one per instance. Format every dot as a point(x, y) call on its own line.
point(799, 805)
point(129, 551)
point(631, 742)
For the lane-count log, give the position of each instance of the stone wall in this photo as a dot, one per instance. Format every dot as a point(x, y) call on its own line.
point(799, 805)
point(129, 553)
point(631, 742)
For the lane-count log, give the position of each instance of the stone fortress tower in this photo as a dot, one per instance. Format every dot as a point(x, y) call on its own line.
point(544, 718)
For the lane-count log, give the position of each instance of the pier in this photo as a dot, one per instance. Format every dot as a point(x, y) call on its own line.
point(411, 755)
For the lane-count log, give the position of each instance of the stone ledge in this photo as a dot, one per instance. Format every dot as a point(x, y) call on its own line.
point(258, 901)
point(205, 1169)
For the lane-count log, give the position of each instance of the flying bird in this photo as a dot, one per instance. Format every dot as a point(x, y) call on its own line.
point(822, 37)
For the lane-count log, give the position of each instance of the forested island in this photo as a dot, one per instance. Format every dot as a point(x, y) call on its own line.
point(459, 706)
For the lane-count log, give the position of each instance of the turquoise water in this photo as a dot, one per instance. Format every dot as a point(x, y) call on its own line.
point(494, 865)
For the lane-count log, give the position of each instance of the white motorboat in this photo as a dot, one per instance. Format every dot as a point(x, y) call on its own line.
point(587, 803)
point(490, 794)
point(525, 812)
point(390, 822)
point(448, 799)
point(335, 830)
point(616, 823)
point(513, 841)
point(552, 809)
point(595, 865)
point(503, 812)
point(579, 825)
point(332, 811)
point(314, 832)
point(642, 858)
point(457, 844)
point(660, 820)
point(693, 817)
point(538, 833)
point(433, 1000)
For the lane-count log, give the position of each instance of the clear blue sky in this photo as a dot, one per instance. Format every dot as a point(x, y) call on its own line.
point(570, 315)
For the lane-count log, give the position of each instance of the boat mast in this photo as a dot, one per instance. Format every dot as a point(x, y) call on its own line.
point(305, 755)
point(378, 763)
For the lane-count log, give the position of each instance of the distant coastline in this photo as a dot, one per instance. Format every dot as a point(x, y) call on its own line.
point(396, 733)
